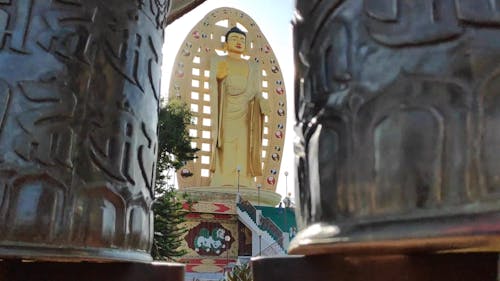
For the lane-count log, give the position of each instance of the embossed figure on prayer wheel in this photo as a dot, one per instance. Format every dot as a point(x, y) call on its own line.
point(399, 110)
point(79, 92)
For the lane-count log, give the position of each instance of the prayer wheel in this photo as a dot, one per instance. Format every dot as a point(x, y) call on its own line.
point(79, 96)
point(398, 113)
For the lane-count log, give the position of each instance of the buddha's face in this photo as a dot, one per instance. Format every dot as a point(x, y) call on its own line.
point(236, 43)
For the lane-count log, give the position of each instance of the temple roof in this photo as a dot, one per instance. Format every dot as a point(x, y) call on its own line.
point(181, 7)
point(277, 215)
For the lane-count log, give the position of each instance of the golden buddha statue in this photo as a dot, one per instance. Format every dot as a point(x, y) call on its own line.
point(238, 109)
point(230, 80)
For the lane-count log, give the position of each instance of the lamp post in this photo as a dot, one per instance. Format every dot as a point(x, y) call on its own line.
point(260, 243)
point(286, 182)
point(258, 204)
point(258, 193)
point(286, 202)
point(238, 197)
point(227, 238)
point(238, 169)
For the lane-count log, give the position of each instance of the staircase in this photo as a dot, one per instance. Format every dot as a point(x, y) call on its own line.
point(272, 238)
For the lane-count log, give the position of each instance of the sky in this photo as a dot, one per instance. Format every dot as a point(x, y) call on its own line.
point(274, 19)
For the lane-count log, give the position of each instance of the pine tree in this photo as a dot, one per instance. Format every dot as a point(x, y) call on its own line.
point(174, 149)
point(174, 142)
point(169, 228)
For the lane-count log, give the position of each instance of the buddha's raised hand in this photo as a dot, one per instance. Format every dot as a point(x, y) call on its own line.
point(221, 70)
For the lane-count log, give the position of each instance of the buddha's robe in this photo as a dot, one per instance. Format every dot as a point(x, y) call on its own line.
point(238, 110)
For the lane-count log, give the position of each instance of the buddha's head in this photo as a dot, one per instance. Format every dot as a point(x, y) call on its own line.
point(235, 41)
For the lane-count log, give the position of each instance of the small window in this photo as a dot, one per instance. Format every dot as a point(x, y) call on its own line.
point(193, 133)
point(205, 160)
point(223, 23)
point(195, 72)
point(206, 109)
point(205, 134)
point(194, 107)
point(195, 83)
point(207, 122)
point(195, 95)
point(242, 27)
point(205, 173)
point(205, 147)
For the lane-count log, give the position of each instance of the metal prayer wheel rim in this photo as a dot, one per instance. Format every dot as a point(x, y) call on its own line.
point(74, 254)
point(352, 238)
point(388, 247)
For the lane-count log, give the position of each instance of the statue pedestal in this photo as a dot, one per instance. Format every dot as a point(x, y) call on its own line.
point(228, 194)
point(212, 218)
point(422, 267)
point(16, 270)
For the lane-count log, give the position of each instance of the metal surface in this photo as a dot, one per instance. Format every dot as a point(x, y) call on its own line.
point(450, 267)
point(79, 91)
point(398, 110)
point(57, 271)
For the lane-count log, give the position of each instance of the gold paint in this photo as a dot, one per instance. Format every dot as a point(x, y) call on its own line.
point(241, 58)
point(238, 115)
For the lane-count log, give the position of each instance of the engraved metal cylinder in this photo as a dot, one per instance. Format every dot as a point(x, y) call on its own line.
point(398, 110)
point(79, 92)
